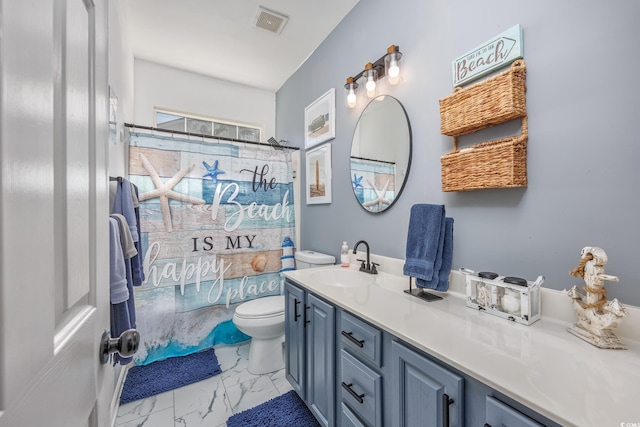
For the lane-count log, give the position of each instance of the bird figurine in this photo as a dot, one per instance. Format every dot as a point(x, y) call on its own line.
point(597, 317)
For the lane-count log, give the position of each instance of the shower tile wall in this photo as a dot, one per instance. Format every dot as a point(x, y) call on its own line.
point(211, 402)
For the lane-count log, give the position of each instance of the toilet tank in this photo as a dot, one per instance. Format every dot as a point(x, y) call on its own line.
point(309, 259)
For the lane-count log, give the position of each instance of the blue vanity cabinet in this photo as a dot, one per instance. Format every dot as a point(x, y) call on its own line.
point(425, 393)
point(352, 373)
point(499, 414)
point(311, 351)
point(294, 338)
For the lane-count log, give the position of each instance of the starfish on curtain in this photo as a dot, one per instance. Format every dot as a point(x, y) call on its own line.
point(379, 200)
point(212, 171)
point(356, 181)
point(164, 191)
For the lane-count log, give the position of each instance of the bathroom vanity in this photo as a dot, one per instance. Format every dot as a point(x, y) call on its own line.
point(361, 352)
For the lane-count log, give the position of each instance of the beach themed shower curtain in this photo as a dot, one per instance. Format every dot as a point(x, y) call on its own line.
point(373, 182)
point(217, 223)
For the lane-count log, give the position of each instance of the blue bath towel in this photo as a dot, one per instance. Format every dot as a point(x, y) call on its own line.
point(117, 272)
point(426, 227)
point(440, 281)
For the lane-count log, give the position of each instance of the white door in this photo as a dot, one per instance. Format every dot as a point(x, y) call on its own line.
point(54, 272)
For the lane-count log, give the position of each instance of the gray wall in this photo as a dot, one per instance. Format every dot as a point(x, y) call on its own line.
point(583, 153)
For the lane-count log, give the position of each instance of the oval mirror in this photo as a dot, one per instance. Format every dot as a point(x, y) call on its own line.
point(380, 154)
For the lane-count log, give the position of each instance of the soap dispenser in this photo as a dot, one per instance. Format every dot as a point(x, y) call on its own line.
point(344, 255)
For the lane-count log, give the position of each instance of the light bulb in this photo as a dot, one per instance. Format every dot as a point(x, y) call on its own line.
point(394, 72)
point(351, 98)
point(371, 87)
point(392, 64)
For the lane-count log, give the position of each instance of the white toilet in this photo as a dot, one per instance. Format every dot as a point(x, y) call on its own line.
point(263, 320)
point(310, 259)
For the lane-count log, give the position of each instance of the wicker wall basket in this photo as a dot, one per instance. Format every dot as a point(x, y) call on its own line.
point(492, 101)
point(500, 163)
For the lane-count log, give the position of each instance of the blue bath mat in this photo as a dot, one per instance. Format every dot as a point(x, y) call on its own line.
point(287, 410)
point(168, 374)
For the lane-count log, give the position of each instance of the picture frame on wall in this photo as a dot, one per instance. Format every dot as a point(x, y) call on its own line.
point(320, 120)
point(318, 184)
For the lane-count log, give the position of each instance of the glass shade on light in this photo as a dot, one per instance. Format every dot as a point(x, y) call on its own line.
point(392, 65)
point(351, 99)
point(370, 76)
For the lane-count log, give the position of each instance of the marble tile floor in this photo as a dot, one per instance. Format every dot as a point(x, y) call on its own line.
point(211, 402)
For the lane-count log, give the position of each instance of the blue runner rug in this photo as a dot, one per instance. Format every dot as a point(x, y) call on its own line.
point(168, 374)
point(287, 410)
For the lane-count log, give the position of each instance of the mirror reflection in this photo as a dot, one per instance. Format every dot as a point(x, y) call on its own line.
point(380, 154)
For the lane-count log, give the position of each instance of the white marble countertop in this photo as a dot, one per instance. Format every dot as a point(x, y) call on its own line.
point(541, 365)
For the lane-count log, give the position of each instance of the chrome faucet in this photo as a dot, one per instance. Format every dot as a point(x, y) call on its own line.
point(366, 266)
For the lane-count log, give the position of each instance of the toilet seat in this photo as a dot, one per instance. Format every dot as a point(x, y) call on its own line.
point(261, 308)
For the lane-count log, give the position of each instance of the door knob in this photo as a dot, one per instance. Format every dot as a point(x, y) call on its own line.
point(125, 345)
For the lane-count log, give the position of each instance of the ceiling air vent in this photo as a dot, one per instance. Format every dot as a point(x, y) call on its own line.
point(270, 20)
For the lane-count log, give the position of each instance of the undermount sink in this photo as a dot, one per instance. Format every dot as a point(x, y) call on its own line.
point(341, 277)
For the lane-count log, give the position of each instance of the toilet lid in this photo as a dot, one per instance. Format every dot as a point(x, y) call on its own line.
point(262, 307)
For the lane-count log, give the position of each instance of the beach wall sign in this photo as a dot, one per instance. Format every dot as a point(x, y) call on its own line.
point(495, 53)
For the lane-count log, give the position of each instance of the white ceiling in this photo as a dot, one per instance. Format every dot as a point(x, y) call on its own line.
point(218, 38)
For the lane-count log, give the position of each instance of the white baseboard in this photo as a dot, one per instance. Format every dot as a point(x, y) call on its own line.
point(115, 402)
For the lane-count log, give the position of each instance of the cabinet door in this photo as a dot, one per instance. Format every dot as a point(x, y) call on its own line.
point(425, 393)
point(499, 414)
point(320, 388)
point(294, 338)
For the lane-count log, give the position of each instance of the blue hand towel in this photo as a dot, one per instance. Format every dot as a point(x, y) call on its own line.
point(426, 225)
point(440, 281)
point(123, 204)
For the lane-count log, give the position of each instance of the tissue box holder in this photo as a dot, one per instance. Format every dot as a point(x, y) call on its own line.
point(520, 304)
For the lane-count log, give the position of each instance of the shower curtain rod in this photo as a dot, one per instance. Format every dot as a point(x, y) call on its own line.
point(373, 160)
point(200, 135)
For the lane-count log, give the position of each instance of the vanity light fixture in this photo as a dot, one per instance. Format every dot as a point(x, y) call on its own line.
point(388, 65)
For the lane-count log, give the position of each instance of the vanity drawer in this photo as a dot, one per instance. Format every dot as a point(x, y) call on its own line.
point(348, 418)
point(361, 338)
point(500, 414)
point(361, 389)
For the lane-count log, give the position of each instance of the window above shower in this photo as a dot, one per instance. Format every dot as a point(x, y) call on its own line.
point(192, 123)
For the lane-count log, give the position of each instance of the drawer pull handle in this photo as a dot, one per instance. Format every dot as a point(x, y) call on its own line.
point(296, 315)
point(349, 335)
point(446, 401)
point(358, 397)
point(306, 307)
